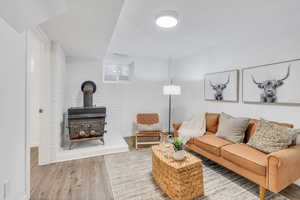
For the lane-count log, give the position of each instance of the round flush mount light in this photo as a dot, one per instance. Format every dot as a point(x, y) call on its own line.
point(167, 19)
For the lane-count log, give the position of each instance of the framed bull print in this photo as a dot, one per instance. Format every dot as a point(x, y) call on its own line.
point(276, 83)
point(222, 86)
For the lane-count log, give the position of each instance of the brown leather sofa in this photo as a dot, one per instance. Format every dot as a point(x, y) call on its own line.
point(273, 171)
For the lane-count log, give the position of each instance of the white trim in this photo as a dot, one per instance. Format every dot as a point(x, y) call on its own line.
point(72, 59)
point(41, 34)
point(34, 144)
point(27, 119)
point(131, 66)
point(26, 197)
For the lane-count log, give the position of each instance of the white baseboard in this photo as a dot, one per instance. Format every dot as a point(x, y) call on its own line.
point(26, 197)
point(297, 182)
point(34, 144)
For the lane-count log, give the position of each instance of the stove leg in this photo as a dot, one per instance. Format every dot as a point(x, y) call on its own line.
point(70, 146)
point(102, 140)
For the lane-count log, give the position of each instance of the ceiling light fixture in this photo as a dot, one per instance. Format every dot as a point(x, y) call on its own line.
point(167, 19)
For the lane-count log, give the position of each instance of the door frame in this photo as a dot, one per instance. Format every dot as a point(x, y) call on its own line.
point(27, 117)
point(28, 100)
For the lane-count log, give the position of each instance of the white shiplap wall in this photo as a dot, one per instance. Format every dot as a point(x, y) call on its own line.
point(58, 76)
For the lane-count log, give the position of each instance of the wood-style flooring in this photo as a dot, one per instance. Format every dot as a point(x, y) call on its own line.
point(84, 179)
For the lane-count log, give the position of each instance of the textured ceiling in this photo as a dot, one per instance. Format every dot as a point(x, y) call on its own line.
point(22, 15)
point(86, 28)
point(204, 25)
point(92, 28)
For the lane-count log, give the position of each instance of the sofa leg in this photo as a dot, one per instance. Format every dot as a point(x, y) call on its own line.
point(262, 193)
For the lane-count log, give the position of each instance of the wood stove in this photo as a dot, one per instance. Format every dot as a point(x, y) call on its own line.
point(87, 122)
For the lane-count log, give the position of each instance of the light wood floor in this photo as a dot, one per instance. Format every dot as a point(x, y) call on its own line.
point(84, 179)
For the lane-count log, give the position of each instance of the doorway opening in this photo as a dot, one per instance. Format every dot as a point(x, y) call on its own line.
point(37, 101)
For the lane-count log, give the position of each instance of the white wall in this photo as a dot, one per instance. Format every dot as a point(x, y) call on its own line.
point(123, 100)
point(190, 71)
point(150, 69)
point(12, 115)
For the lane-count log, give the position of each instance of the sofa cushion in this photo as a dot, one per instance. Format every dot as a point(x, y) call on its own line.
point(212, 121)
point(211, 143)
point(192, 140)
point(246, 157)
point(209, 133)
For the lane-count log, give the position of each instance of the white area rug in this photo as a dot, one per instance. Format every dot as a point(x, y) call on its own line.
point(131, 179)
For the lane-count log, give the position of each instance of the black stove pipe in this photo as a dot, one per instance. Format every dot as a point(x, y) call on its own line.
point(88, 88)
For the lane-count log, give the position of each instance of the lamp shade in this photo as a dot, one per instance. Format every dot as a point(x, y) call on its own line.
point(172, 90)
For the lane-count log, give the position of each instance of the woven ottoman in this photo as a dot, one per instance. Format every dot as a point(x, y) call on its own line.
point(180, 180)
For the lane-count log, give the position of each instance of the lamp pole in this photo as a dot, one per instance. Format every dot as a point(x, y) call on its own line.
point(170, 109)
point(171, 90)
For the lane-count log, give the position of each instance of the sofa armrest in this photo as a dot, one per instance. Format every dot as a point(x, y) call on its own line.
point(283, 168)
point(176, 127)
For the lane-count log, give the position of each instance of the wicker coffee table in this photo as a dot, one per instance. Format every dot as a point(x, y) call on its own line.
point(180, 180)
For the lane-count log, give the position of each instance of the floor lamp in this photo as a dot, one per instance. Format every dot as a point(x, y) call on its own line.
point(171, 90)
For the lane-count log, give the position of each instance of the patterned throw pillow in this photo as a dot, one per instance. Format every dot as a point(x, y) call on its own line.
point(150, 127)
point(269, 137)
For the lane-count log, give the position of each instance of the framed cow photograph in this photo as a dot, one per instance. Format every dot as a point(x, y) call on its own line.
point(222, 86)
point(276, 83)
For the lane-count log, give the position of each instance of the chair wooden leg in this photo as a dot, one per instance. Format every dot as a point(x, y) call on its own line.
point(136, 142)
point(262, 193)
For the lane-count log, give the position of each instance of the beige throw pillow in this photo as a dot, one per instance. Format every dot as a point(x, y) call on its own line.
point(231, 128)
point(269, 137)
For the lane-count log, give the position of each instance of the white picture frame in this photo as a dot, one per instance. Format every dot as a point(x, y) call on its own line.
point(222, 86)
point(275, 83)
